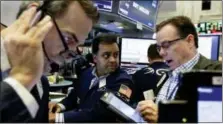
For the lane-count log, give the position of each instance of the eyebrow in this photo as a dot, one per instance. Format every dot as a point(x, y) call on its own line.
point(71, 33)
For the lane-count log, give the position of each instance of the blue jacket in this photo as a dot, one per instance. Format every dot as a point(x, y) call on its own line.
point(147, 79)
point(12, 108)
point(90, 109)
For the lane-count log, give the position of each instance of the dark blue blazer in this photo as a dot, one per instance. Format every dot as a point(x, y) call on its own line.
point(90, 109)
point(12, 109)
point(147, 79)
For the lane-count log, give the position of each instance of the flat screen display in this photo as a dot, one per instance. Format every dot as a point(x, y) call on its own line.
point(140, 11)
point(208, 46)
point(104, 5)
point(209, 104)
point(134, 54)
point(135, 50)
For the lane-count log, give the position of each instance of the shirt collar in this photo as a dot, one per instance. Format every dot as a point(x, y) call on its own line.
point(188, 65)
point(95, 74)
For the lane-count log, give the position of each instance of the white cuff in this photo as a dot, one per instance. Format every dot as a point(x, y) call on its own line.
point(59, 118)
point(61, 106)
point(27, 98)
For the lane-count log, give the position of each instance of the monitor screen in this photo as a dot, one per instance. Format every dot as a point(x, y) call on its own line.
point(209, 104)
point(140, 11)
point(135, 50)
point(208, 46)
point(104, 5)
point(123, 108)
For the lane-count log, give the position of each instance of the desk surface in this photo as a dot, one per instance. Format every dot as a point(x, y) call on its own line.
point(62, 84)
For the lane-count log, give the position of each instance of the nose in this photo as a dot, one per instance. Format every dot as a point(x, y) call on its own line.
point(112, 59)
point(162, 52)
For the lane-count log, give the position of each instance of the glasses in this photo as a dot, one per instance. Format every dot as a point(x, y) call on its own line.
point(167, 44)
point(64, 38)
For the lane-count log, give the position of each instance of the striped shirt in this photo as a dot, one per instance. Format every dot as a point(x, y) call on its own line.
point(170, 87)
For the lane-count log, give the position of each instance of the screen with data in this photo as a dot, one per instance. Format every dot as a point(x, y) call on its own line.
point(139, 11)
point(209, 104)
point(135, 50)
point(208, 46)
point(104, 5)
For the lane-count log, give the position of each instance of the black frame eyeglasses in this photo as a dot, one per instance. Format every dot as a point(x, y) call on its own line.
point(63, 38)
point(167, 44)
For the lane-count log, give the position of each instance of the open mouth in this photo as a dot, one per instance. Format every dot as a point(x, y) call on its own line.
point(169, 61)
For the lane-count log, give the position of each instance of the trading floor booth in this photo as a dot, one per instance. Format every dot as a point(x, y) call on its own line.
point(200, 100)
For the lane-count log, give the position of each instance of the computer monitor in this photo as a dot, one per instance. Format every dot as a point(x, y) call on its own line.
point(103, 5)
point(209, 105)
point(144, 11)
point(134, 53)
point(134, 50)
point(208, 46)
point(203, 91)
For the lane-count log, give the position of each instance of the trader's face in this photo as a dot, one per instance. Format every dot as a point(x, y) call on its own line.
point(107, 58)
point(174, 53)
point(73, 22)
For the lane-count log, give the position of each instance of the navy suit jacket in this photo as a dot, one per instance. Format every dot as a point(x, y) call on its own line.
point(90, 109)
point(12, 109)
point(147, 79)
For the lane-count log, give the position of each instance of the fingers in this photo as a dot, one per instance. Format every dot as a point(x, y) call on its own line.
point(51, 106)
point(151, 118)
point(147, 106)
point(43, 31)
point(57, 109)
point(24, 20)
point(145, 102)
point(42, 27)
point(148, 112)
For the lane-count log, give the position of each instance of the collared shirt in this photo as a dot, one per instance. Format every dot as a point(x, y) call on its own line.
point(97, 79)
point(170, 87)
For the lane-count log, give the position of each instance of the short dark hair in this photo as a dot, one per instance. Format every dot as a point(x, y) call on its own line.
point(58, 7)
point(103, 39)
point(152, 52)
point(183, 25)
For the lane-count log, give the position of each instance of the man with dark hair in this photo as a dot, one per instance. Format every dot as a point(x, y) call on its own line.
point(146, 79)
point(177, 43)
point(106, 75)
point(29, 47)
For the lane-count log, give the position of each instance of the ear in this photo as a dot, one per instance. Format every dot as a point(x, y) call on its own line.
point(190, 40)
point(95, 58)
point(148, 59)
